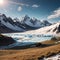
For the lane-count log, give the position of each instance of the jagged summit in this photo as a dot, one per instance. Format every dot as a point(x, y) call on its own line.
point(33, 22)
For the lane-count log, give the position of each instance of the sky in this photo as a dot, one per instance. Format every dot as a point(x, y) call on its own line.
point(40, 9)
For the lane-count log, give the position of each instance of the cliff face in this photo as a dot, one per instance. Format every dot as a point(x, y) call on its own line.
point(4, 41)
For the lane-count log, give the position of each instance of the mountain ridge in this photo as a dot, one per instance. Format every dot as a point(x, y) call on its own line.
point(7, 24)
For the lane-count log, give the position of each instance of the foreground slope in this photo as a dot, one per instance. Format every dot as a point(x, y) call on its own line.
point(29, 54)
point(35, 53)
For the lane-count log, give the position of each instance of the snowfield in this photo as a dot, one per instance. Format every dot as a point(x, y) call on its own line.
point(53, 29)
point(56, 57)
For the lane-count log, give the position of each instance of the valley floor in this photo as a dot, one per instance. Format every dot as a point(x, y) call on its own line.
point(35, 53)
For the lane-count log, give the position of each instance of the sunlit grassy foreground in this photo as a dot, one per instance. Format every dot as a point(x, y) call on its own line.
point(34, 53)
point(29, 54)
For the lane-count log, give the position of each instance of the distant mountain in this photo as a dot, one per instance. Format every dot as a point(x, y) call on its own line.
point(53, 29)
point(46, 23)
point(7, 24)
point(33, 22)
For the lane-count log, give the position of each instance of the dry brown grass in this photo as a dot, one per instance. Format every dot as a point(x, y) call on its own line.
point(29, 54)
point(52, 41)
point(49, 42)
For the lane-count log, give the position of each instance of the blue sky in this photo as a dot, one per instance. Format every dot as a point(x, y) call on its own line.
point(40, 9)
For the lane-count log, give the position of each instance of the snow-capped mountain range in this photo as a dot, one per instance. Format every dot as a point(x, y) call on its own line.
point(7, 24)
point(30, 25)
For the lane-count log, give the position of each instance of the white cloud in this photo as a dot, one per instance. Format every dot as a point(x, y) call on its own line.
point(35, 5)
point(18, 3)
point(19, 8)
point(55, 14)
point(23, 4)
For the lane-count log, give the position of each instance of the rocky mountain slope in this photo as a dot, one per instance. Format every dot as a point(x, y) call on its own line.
point(5, 41)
